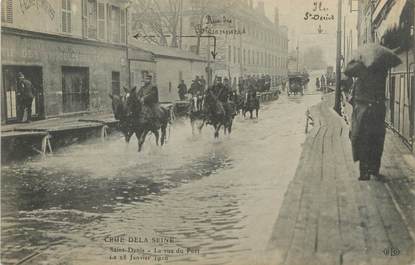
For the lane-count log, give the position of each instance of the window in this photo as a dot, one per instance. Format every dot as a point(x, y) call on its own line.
point(122, 26)
point(239, 55)
point(244, 59)
point(257, 58)
point(66, 16)
point(115, 77)
point(101, 21)
point(92, 19)
point(75, 89)
point(115, 17)
point(7, 11)
point(234, 54)
point(249, 56)
point(230, 54)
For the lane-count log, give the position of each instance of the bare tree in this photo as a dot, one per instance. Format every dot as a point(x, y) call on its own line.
point(206, 8)
point(153, 20)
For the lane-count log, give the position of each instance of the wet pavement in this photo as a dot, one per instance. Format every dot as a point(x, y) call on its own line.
point(215, 200)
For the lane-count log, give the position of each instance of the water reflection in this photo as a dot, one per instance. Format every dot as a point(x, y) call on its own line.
point(219, 196)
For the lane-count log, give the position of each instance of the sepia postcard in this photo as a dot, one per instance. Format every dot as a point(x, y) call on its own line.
point(208, 132)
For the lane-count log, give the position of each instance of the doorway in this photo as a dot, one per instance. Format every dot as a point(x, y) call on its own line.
point(75, 89)
point(10, 105)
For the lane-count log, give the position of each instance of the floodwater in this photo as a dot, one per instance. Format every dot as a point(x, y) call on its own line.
point(209, 201)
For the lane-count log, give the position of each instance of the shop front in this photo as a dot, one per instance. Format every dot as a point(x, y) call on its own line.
point(69, 75)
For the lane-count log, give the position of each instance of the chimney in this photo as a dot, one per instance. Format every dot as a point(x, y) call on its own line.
point(276, 18)
point(251, 4)
point(260, 7)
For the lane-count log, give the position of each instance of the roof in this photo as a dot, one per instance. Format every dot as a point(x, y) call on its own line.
point(167, 52)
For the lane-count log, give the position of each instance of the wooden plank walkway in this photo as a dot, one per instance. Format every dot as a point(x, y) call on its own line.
point(329, 217)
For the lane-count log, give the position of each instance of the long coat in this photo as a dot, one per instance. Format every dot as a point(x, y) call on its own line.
point(368, 117)
point(25, 89)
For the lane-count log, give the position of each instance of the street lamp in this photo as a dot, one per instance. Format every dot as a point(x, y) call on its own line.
point(337, 94)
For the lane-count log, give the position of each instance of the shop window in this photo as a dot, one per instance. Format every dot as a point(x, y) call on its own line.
point(115, 77)
point(7, 11)
point(66, 16)
point(75, 89)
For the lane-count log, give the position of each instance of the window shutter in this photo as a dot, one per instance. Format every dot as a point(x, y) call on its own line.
point(9, 11)
point(69, 15)
point(64, 26)
point(101, 21)
point(85, 18)
point(109, 35)
point(122, 26)
point(66, 16)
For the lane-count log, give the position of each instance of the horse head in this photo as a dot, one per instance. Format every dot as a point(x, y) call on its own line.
point(132, 103)
point(118, 106)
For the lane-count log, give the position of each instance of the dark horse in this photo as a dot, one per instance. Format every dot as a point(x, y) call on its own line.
point(131, 113)
point(144, 120)
point(196, 116)
point(218, 114)
point(251, 104)
point(120, 113)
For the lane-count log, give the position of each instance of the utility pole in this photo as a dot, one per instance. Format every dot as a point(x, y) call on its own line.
point(209, 75)
point(181, 23)
point(338, 58)
point(298, 57)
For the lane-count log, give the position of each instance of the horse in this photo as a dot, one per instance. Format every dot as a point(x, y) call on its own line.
point(119, 109)
point(238, 102)
point(251, 104)
point(196, 114)
point(143, 121)
point(218, 114)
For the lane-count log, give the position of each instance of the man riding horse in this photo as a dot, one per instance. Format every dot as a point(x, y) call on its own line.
point(150, 97)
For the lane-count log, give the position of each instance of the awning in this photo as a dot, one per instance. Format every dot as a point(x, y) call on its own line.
point(392, 19)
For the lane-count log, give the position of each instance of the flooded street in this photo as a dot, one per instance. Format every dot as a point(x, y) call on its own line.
point(215, 200)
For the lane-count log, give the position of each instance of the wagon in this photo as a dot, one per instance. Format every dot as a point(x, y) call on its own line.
point(296, 85)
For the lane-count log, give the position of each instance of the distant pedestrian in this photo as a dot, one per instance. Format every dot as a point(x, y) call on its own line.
point(203, 84)
point(182, 90)
point(318, 83)
point(24, 96)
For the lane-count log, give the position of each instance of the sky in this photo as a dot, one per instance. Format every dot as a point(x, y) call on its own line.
point(292, 13)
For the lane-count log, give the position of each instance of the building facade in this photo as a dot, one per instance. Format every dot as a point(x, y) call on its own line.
point(247, 42)
point(391, 23)
point(235, 38)
point(73, 51)
point(169, 67)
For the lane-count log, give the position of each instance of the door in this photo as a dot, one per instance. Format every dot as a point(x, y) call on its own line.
point(10, 104)
point(115, 77)
point(75, 89)
point(392, 100)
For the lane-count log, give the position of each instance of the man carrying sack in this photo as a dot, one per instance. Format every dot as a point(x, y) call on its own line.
point(367, 134)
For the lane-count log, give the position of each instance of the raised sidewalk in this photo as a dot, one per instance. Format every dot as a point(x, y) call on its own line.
point(329, 217)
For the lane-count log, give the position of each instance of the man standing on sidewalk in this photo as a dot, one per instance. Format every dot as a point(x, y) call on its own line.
point(24, 95)
point(368, 119)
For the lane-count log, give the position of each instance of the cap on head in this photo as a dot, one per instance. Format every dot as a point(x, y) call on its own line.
point(20, 75)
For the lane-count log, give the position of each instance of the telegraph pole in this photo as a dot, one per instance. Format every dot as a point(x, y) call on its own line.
point(181, 23)
point(338, 58)
point(298, 57)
